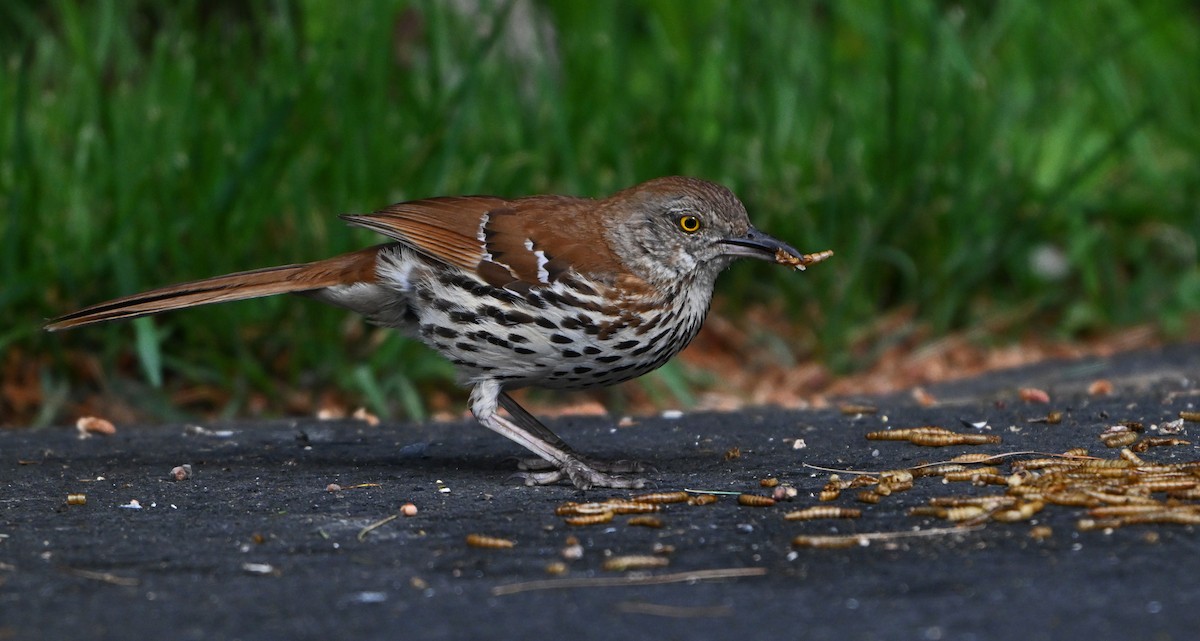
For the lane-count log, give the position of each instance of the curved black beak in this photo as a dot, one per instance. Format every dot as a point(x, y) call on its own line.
point(756, 244)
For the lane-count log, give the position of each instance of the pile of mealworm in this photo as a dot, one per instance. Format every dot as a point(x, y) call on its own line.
point(1115, 491)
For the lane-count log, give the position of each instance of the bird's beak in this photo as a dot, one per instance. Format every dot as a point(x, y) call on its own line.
point(756, 244)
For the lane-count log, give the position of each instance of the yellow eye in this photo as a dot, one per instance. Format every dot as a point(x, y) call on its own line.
point(690, 224)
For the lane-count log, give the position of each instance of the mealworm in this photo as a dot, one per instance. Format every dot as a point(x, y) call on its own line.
point(661, 497)
point(490, 542)
point(823, 512)
point(645, 521)
point(635, 562)
point(904, 434)
point(754, 500)
point(970, 475)
point(589, 519)
point(1118, 439)
point(829, 495)
point(1040, 532)
point(632, 507)
point(1020, 512)
point(827, 542)
point(972, 458)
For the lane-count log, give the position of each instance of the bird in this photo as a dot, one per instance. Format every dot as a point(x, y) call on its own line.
point(545, 291)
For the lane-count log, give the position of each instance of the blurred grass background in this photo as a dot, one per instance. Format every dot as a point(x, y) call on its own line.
point(1021, 166)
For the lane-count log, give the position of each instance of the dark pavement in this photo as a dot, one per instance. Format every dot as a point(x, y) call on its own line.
point(253, 546)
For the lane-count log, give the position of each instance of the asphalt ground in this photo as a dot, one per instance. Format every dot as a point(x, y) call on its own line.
point(255, 546)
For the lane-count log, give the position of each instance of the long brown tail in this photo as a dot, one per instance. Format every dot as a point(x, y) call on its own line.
point(355, 267)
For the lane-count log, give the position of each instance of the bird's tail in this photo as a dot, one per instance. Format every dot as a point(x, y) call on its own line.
point(355, 267)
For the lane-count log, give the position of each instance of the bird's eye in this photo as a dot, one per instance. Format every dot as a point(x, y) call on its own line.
point(689, 223)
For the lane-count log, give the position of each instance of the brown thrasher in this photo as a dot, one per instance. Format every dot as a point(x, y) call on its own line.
point(548, 291)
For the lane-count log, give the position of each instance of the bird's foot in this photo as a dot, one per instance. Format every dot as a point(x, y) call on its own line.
point(584, 475)
point(537, 464)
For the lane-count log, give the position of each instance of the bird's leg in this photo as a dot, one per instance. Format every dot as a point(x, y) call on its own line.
point(526, 420)
point(522, 428)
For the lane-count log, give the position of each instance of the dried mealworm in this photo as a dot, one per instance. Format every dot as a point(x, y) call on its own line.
point(963, 513)
point(589, 519)
point(635, 562)
point(904, 434)
point(645, 521)
point(828, 541)
point(1118, 439)
point(1159, 441)
point(1040, 532)
point(576, 509)
point(823, 512)
point(754, 500)
point(972, 458)
point(1020, 512)
point(632, 507)
point(943, 440)
point(661, 497)
point(489, 542)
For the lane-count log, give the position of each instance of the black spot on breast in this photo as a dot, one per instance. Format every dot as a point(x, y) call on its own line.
point(498, 342)
point(444, 332)
point(643, 349)
point(591, 350)
point(517, 318)
point(626, 345)
point(545, 322)
point(570, 353)
point(503, 295)
point(560, 339)
point(523, 350)
point(466, 347)
point(569, 323)
point(612, 358)
point(464, 317)
point(579, 286)
point(517, 338)
point(582, 369)
point(491, 312)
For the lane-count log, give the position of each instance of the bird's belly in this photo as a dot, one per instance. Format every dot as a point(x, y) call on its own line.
point(550, 341)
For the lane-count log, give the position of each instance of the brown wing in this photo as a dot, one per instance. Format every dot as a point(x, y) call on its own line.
point(508, 243)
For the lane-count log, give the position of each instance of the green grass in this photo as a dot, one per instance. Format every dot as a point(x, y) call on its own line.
point(934, 146)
